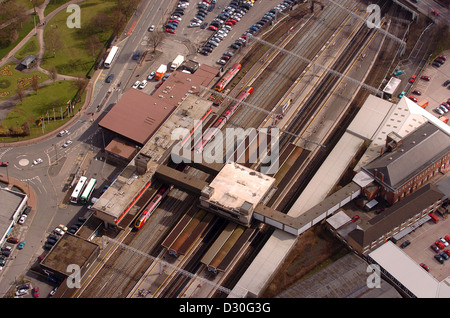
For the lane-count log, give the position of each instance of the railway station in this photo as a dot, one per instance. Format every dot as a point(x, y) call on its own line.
point(128, 194)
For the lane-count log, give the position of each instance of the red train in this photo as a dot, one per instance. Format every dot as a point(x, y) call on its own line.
point(211, 132)
point(227, 77)
point(151, 207)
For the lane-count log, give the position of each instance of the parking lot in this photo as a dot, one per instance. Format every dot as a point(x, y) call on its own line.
point(420, 251)
point(434, 91)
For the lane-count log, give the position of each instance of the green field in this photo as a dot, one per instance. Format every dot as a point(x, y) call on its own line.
point(71, 56)
point(31, 47)
point(46, 102)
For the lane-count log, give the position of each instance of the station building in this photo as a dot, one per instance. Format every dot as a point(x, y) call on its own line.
point(130, 191)
point(235, 192)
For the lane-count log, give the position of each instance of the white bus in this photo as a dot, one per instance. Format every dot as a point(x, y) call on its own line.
point(78, 190)
point(88, 191)
point(112, 54)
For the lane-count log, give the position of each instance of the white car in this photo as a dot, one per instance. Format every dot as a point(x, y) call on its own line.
point(443, 241)
point(151, 28)
point(151, 76)
point(22, 219)
point(143, 84)
point(37, 161)
point(63, 132)
point(59, 231)
point(67, 143)
point(136, 85)
point(21, 292)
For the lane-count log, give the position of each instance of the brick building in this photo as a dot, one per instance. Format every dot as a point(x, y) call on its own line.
point(409, 163)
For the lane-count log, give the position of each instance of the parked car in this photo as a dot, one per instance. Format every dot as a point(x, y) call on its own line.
point(414, 99)
point(136, 84)
point(434, 248)
point(412, 79)
point(443, 241)
point(355, 218)
point(21, 292)
point(446, 83)
point(21, 245)
point(143, 84)
point(3, 164)
point(37, 161)
point(22, 219)
point(417, 92)
point(439, 244)
point(439, 258)
point(425, 267)
point(12, 240)
point(426, 78)
point(151, 76)
point(444, 255)
point(53, 291)
point(405, 244)
point(36, 292)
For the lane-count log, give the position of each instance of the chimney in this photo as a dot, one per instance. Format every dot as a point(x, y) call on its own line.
point(382, 177)
point(142, 162)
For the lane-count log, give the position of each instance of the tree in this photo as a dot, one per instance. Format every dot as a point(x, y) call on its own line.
point(93, 45)
point(53, 41)
point(155, 39)
point(53, 73)
point(20, 93)
point(35, 82)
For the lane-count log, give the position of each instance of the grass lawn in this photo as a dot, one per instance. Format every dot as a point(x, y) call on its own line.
point(31, 47)
point(10, 78)
point(52, 5)
point(50, 100)
point(27, 26)
point(72, 56)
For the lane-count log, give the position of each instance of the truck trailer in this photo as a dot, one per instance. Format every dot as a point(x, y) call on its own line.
point(162, 69)
point(177, 62)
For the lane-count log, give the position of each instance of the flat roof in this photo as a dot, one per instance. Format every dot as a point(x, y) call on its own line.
point(236, 184)
point(121, 148)
point(137, 115)
point(409, 273)
point(122, 193)
point(69, 249)
point(10, 201)
point(392, 85)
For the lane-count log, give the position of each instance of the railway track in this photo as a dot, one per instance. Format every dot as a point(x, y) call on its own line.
point(121, 273)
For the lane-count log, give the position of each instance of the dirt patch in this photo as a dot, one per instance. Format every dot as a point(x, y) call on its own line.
point(315, 249)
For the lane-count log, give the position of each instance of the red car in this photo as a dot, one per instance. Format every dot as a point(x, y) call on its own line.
point(435, 248)
point(446, 251)
point(3, 164)
point(36, 292)
point(13, 240)
point(425, 267)
point(355, 218)
point(212, 27)
point(426, 78)
point(170, 30)
point(439, 244)
point(447, 238)
point(412, 79)
point(414, 99)
point(435, 12)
